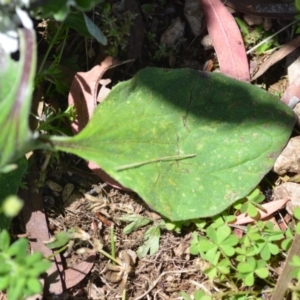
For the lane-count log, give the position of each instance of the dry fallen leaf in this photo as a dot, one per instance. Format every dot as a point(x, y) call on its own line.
point(227, 40)
point(83, 95)
point(277, 56)
point(83, 92)
point(270, 207)
point(77, 273)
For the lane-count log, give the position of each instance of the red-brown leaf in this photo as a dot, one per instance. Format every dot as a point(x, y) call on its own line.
point(227, 40)
point(83, 92)
point(270, 207)
point(75, 274)
point(277, 56)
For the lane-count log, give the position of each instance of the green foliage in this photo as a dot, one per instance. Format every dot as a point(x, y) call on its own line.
point(19, 271)
point(151, 236)
point(60, 9)
point(250, 204)
point(198, 295)
point(116, 28)
point(255, 35)
point(174, 132)
point(251, 267)
point(9, 183)
point(171, 140)
point(84, 25)
point(136, 222)
point(151, 241)
point(249, 257)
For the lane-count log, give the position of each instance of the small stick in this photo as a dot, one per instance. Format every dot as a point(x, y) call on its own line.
point(165, 158)
point(159, 278)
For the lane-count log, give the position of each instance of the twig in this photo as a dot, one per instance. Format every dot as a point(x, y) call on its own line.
point(165, 158)
point(271, 36)
point(159, 278)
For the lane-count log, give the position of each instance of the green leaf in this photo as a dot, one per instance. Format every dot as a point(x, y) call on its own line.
point(261, 269)
point(60, 240)
point(206, 245)
point(189, 143)
point(185, 296)
point(295, 261)
point(273, 248)
point(10, 183)
point(4, 281)
point(16, 86)
point(265, 253)
point(212, 256)
point(248, 266)
point(137, 221)
point(18, 249)
point(228, 250)
point(59, 9)
point(151, 242)
point(249, 279)
point(223, 233)
point(232, 240)
point(34, 286)
point(84, 25)
point(252, 211)
point(200, 295)
point(223, 266)
point(33, 258)
point(211, 273)
point(242, 25)
point(4, 240)
point(286, 244)
point(296, 213)
point(15, 291)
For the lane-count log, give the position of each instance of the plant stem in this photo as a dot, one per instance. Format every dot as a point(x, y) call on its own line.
point(51, 44)
point(109, 256)
point(112, 243)
point(271, 36)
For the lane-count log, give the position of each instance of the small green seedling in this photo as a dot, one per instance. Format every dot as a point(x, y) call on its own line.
point(220, 239)
point(251, 204)
point(296, 259)
point(19, 271)
point(136, 222)
point(251, 267)
point(151, 237)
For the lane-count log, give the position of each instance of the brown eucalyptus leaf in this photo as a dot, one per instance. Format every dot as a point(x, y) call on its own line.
point(277, 56)
point(227, 40)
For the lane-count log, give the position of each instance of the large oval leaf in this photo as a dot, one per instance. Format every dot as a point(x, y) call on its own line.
point(235, 130)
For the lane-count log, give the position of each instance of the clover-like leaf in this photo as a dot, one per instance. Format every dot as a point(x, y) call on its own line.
point(151, 242)
point(137, 221)
point(189, 143)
